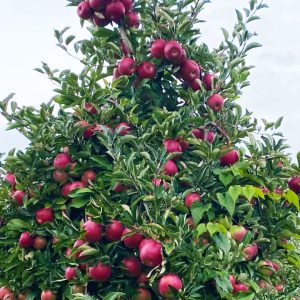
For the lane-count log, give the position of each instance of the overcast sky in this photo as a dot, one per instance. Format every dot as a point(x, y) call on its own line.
point(26, 30)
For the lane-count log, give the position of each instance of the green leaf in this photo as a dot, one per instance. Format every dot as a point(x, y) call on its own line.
point(248, 191)
point(221, 240)
point(226, 178)
point(292, 198)
point(198, 209)
point(215, 227)
point(244, 296)
point(80, 193)
point(235, 191)
point(17, 225)
point(201, 228)
point(227, 202)
point(251, 46)
point(77, 203)
point(235, 62)
point(114, 296)
point(225, 33)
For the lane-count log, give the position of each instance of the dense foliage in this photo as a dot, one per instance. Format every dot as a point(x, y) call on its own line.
point(147, 184)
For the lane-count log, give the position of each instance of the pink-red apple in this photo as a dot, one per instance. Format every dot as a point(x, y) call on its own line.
point(238, 232)
point(167, 281)
point(100, 272)
point(191, 198)
point(132, 266)
point(170, 168)
point(173, 51)
point(215, 102)
point(229, 158)
point(115, 10)
point(84, 10)
point(44, 215)
point(114, 231)
point(146, 70)
point(93, 231)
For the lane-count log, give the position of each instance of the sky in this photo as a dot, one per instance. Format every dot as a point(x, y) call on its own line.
point(26, 31)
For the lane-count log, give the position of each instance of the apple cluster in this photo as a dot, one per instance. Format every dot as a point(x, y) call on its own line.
point(103, 12)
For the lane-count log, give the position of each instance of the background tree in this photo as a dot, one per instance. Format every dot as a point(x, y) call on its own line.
point(153, 184)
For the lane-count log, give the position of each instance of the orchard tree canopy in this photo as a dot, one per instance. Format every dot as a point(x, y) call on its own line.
point(149, 181)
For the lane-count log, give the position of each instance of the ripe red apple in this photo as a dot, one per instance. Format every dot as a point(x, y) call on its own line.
point(204, 135)
point(157, 49)
point(170, 168)
point(146, 70)
point(191, 198)
point(100, 272)
point(18, 197)
point(127, 4)
point(118, 187)
point(84, 10)
point(10, 178)
point(60, 176)
point(77, 185)
point(189, 71)
point(40, 243)
point(78, 289)
point(132, 266)
point(114, 231)
point(294, 184)
point(100, 20)
point(90, 107)
point(262, 284)
point(266, 267)
point(142, 279)
point(61, 161)
point(141, 294)
point(44, 215)
point(183, 144)
point(250, 251)
point(208, 80)
point(238, 232)
point(26, 240)
point(132, 241)
point(97, 5)
point(77, 244)
point(240, 287)
point(48, 295)
point(115, 11)
point(173, 51)
point(70, 273)
point(172, 146)
point(9, 296)
point(275, 266)
point(88, 176)
point(65, 190)
point(4, 291)
point(126, 66)
point(93, 231)
point(229, 158)
point(132, 19)
point(158, 182)
point(196, 85)
point(125, 128)
point(116, 74)
point(215, 102)
point(150, 252)
point(232, 280)
point(167, 281)
point(279, 287)
point(22, 296)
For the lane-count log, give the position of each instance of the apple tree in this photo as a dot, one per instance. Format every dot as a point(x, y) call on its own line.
point(144, 178)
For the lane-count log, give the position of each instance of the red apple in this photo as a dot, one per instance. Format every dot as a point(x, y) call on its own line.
point(294, 184)
point(191, 198)
point(9, 296)
point(18, 197)
point(190, 222)
point(78, 289)
point(167, 281)
point(132, 241)
point(40, 243)
point(116, 74)
point(146, 70)
point(240, 287)
point(88, 176)
point(61, 161)
point(22, 296)
point(196, 85)
point(262, 284)
point(238, 232)
point(118, 188)
point(100, 272)
point(250, 251)
point(208, 80)
point(170, 168)
point(173, 51)
point(44, 215)
point(115, 10)
point(158, 182)
point(48, 295)
point(266, 267)
point(204, 135)
point(60, 176)
point(10, 178)
point(229, 158)
point(132, 266)
point(141, 294)
point(183, 144)
point(150, 252)
point(127, 4)
point(114, 231)
point(77, 244)
point(215, 102)
point(4, 291)
point(142, 279)
point(132, 19)
point(232, 280)
point(65, 190)
point(125, 128)
point(77, 185)
point(172, 146)
point(84, 10)
point(98, 5)
point(100, 21)
point(189, 71)
point(70, 273)
point(26, 240)
point(90, 107)
point(126, 66)
point(279, 287)
point(93, 231)
point(157, 49)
